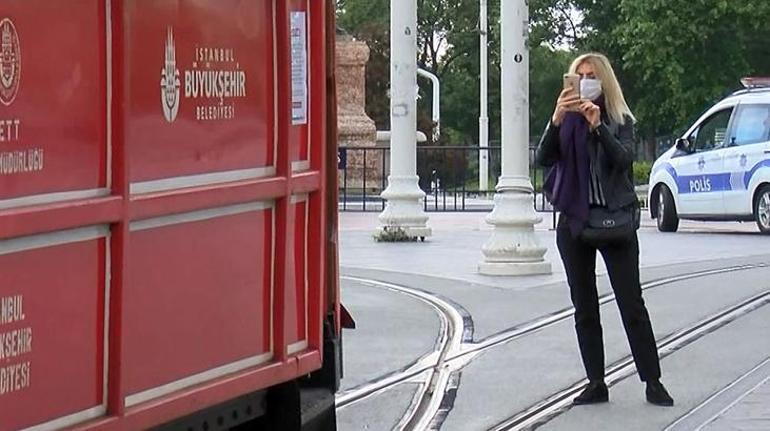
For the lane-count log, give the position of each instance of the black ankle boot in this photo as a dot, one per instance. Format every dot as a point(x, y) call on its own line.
point(594, 392)
point(657, 394)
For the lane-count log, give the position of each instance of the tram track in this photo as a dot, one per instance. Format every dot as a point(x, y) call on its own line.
point(699, 416)
point(452, 334)
point(561, 401)
point(438, 372)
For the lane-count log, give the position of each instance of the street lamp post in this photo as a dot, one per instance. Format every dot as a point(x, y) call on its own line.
point(514, 248)
point(484, 116)
point(436, 108)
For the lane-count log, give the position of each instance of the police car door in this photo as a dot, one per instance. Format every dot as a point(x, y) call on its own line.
point(748, 147)
point(700, 177)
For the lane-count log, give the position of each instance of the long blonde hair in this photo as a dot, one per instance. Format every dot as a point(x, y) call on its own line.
point(617, 108)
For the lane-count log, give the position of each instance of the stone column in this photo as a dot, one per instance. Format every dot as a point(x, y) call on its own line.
point(356, 129)
point(514, 248)
point(404, 208)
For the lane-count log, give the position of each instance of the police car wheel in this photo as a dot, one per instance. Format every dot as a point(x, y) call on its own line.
point(667, 220)
point(762, 210)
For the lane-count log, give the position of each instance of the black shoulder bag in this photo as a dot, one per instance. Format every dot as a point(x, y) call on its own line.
point(609, 227)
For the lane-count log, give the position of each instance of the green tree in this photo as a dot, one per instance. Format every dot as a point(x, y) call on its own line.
point(673, 58)
point(547, 66)
point(556, 22)
point(685, 54)
point(369, 21)
point(448, 43)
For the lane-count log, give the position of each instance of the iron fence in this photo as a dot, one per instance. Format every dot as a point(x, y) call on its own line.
point(449, 176)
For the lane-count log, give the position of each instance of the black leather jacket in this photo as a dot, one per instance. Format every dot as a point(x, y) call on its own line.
point(610, 148)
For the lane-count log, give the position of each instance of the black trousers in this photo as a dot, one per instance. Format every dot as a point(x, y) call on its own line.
point(623, 266)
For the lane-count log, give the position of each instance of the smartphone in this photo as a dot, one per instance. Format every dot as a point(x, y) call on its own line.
point(572, 80)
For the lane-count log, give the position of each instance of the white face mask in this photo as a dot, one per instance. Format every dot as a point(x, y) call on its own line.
point(590, 89)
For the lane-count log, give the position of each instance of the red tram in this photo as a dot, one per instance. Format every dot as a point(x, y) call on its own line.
point(168, 215)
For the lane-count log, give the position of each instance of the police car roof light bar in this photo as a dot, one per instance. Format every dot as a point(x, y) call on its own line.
point(750, 82)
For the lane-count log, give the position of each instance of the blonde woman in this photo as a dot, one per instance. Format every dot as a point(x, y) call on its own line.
point(588, 143)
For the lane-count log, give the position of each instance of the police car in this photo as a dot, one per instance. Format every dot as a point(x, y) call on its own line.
point(720, 168)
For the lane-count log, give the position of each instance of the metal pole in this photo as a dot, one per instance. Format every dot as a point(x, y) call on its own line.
point(436, 110)
point(514, 249)
point(382, 176)
point(484, 116)
point(463, 177)
point(403, 211)
point(515, 97)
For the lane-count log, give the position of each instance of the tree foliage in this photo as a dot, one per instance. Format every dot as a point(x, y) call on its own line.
point(684, 54)
point(449, 46)
point(673, 57)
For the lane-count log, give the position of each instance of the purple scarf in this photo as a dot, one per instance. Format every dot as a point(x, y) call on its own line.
point(567, 184)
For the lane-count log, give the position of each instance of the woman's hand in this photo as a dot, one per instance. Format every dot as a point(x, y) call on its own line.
point(566, 100)
point(592, 113)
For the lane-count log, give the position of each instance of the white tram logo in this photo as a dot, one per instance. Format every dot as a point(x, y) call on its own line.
point(10, 62)
point(169, 81)
point(213, 82)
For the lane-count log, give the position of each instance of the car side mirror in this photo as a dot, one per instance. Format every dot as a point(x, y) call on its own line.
point(683, 145)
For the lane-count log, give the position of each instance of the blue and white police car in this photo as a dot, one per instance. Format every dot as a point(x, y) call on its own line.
point(720, 168)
